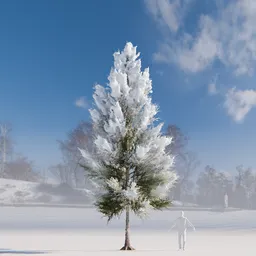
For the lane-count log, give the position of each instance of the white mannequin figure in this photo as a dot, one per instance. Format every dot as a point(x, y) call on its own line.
point(181, 224)
point(226, 200)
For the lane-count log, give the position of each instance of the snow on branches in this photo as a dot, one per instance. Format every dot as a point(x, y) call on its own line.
point(129, 160)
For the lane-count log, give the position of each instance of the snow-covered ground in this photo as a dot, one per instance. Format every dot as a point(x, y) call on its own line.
point(81, 231)
point(67, 231)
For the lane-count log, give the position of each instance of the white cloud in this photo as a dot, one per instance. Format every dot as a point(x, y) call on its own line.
point(165, 12)
point(81, 102)
point(229, 37)
point(238, 103)
point(191, 54)
point(212, 90)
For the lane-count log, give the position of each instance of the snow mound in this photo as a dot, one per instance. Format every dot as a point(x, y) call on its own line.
point(24, 192)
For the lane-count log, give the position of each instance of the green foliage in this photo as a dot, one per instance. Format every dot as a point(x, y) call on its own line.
point(113, 172)
point(147, 183)
point(110, 205)
point(156, 204)
point(91, 173)
point(159, 204)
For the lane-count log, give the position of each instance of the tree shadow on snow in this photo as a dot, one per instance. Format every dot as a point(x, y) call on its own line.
point(25, 252)
point(136, 250)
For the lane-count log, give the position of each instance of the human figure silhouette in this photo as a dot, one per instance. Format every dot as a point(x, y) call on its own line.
point(182, 223)
point(226, 200)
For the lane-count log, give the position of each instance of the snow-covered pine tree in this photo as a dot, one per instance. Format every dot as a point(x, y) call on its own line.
point(129, 164)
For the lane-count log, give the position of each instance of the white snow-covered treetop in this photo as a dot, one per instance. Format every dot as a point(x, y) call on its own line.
point(124, 111)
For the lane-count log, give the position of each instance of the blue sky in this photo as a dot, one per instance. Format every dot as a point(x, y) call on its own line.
point(201, 56)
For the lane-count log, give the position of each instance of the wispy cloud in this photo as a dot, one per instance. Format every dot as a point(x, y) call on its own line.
point(239, 102)
point(192, 54)
point(212, 90)
point(227, 37)
point(81, 102)
point(212, 87)
point(166, 12)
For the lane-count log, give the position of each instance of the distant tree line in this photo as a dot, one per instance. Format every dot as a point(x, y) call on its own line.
point(240, 188)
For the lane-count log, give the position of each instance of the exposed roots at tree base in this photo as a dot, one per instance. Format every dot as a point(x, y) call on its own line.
point(127, 248)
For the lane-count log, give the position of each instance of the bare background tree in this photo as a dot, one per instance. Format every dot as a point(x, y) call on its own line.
point(187, 168)
point(186, 163)
point(44, 175)
point(6, 146)
point(62, 173)
point(72, 173)
point(245, 186)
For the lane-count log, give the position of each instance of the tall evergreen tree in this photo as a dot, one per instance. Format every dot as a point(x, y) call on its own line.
point(129, 163)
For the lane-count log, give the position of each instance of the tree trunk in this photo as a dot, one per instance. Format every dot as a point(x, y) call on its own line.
point(127, 245)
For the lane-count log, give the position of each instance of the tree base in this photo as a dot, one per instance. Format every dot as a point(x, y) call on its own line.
point(127, 248)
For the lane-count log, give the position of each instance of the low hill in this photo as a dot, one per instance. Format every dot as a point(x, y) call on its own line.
point(23, 192)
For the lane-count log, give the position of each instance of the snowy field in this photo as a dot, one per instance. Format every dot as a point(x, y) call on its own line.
point(67, 231)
